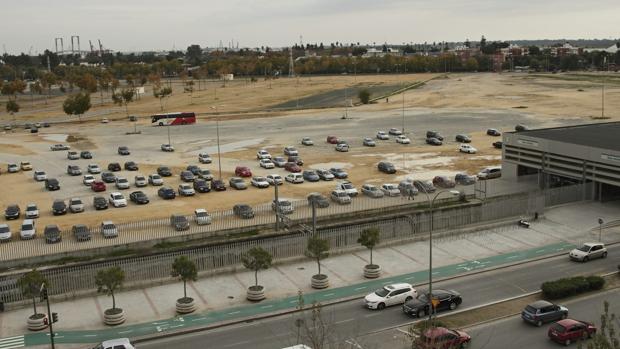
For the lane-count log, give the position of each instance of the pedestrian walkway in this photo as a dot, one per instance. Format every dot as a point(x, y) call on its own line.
point(222, 297)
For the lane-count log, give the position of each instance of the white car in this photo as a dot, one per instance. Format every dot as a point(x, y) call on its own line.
point(390, 189)
point(274, 179)
point(266, 163)
point(590, 250)
point(57, 147)
point(186, 189)
point(204, 158)
point(32, 211)
point(372, 191)
point(93, 169)
point(76, 205)
point(295, 178)
point(202, 216)
point(122, 183)
point(155, 179)
point(28, 230)
point(466, 148)
point(347, 187)
point(167, 147)
point(73, 155)
point(383, 136)
point(395, 132)
point(5, 233)
point(307, 141)
point(117, 199)
point(39, 176)
point(118, 343)
point(262, 154)
point(88, 180)
point(105, 120)
point(12, 168)
point(343, 147)
point(340, 196)
point(259, 182)
point(108, 230)
point(402, 139)
point(140, 181)
point(390, 295)
point(325, 174)
point(285, 206)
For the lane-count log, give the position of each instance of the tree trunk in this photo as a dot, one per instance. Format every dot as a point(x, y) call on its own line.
point(127, 109)
point(161, 104)
point(113, 301)
point(318, 262)
point(101, 94)
point(34, 305)
point(184, 289)
point(256, 277)
point(371, 256)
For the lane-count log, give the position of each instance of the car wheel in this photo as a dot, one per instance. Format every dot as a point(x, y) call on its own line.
point(604, 254)
point(539, 323)
point(464, 344)
point(585, 259)
point(567, 342)
point(564, 316)
point(381, 306)
point(408, 299)
point(585, 335)
point(452, 306)
point(421, 313)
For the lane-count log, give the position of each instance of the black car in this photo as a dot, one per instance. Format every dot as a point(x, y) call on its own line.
point(311, 176)
point(164, 171)
point(12, 212)
point(52, 184)
point(46, 124)
point(86, 155)
point(108, 177)
point(122, 150)
point(498, 144)
point(34, 130)
point(433, 141)
point(195, 170)
point(320, 201)
point(187, 176)
point(179, 222)
point(139, 197)
point(243, 211)
point(434, 134)
point(521, 128)
point(218, 185)
point(464, 179)
point(463, 138)
point(59, 207)
point(424, 186)
point(338, 173)
point(52, 234)
point(386, 167)
point(166, 193)
point(296, 159)
point(493, 132)
point(100, 203)
point(131, 166)
point(447, 300)
point(81, 232)
point(114, 166)
point(201, 186)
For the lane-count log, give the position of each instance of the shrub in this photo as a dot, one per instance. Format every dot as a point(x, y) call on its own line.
point(596, 282)
point(364, 96)
point(571, 286)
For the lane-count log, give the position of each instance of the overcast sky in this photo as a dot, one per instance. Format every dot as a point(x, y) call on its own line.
point(136, 25)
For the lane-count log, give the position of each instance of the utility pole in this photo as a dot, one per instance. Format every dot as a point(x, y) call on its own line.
point(603, 89)
point(51, 317)
point(277, 203)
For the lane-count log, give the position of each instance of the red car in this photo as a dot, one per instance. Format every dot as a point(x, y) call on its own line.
point(97, 186)
point(443, 182)
point(443, 338)
point(292, 167)
point(243, 171)
point(332, 140)
point(568, 331)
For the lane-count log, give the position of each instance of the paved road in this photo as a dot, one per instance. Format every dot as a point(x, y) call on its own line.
point(351, 320)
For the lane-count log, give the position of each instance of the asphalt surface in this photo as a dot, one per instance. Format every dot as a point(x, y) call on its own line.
point(351, 320)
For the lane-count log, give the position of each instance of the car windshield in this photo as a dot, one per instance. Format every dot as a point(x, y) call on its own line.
point(201, 214)
point(26, 226)
point(76, 202)
point(155, 177)
point(558, 328)
point(422, 297)
point(347, 186)
point(108, 226)
point(382, 292)
point(31, 208)
point(4, 229)
point(117, 197)
point(122, 180)
point(584, 248)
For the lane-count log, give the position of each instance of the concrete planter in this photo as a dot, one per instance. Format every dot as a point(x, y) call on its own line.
point(113, 317)
point(256, 293)
point(319, 281)
point(37, 322)
point(372, 271)
point(185, 305)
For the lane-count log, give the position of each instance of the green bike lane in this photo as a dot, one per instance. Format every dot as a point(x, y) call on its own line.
point(213, 318)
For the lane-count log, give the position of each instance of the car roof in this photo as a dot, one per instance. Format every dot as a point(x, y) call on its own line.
point(436, 332)
point(112, 342)
point(568, 322)
point(540, 304)
point(107, 222)
point(200, 210)
point(27, 221)
point(593, 244)
point(397, 286)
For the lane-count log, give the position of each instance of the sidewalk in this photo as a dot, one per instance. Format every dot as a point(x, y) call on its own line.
point(222, 297)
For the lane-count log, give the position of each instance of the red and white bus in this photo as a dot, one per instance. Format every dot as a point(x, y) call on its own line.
point(173, 119)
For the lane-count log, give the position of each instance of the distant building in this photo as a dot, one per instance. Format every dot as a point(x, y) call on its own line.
point(373, 52)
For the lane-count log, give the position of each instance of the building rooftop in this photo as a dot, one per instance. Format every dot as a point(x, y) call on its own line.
point(604, 135)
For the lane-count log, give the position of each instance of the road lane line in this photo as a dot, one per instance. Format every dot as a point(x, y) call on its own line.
point(347, 320)
point(267, 306)
point(233, 312)
point(329, 294)
point(199, 319)
point(360, 288)
point(235, 344)
point(128, 331)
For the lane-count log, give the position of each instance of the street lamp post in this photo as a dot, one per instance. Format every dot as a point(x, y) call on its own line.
point(217, 132)
point(600, 228)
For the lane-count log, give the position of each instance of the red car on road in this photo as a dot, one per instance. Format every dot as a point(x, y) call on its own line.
point(243, 171)
point(443, 338)
point(97, 186)
point(292, 167)
point(568, 331)
point(332, 140)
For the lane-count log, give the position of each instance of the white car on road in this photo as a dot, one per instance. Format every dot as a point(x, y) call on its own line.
point(295, 178)
point(590, 250)
point(39, 176)
point(390, 295)
point(266, 163)
point(307, 141)
point(117, 199)
point(466, 148)
point(403, 139)
point(204, 158)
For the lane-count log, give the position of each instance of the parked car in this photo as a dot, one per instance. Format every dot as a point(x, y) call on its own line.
point(243, 171)
point(403, 139)
point(587, 251)
point(73, 155)
point(12, 212)
point(205, 174)
point(259, 182)
point(114, 167)
point(386, 167)
point(57, 147)
point(382, 136)
point(372, 191)
point(52, 184)
point(100, 203)
point(284, 206)
point(444, 338)
point(166, 193)
point(498, 145)
point(195, 170)
point(140, 181)
point(201, 186)
point(464, 179)
point(108, 229)
point(266, 163)
point(311, 176)
point(342, 147)
point(443, 182)
point(424, 186)
point(167, 147)
point(39, 176)
point(123, 150)
point(318, 199)
point(186, 190)
point(332, 140)
point(80, 232)
point(390, 189)
point(5, 233)
point(164, 171)
point(540, 312)
point(433, 141)
point(461, 138)
point(490, 173)
point(117, 199)
point(290, 150)
point(338, 172)
point(28, 229)
point(325, 175)
point(434, 134)
point(32, 211)
point(108, 177)
point(307, 141)
point(395, 132)
point(179, 222)
point(568, 331)
point(368, 142)
point(262, 154)
point(444, 300)
point(243, 211)
point(93, 169)
point(76, 205)
point(97, 186)
point(139, 197)
point(295, 178)
point(218, 185)
point(466, 148)
point(59, 207)
point(187, 176)
point(340, 196)
point(493, 132)
point(274, 179)
point(204, 158)
point(12, 168)
point(292, 167)
point(52, 234)
point(155, 179)
point(122, 183)
point(74, 170)
point(130, 166)
point(279, 161)
point(105, 121)
point(388, 295)
point(296, 159)
point(85, 154)
point(237, 183)
point(202, 217)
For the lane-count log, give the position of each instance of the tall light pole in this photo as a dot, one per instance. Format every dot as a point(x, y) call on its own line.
point(430, 247)
point(600, 228)
point(217, 132)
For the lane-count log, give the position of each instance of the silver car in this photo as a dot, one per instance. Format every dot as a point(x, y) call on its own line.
point(340, 197)
point(122, 183)
point(390, 189)
point(372, 191)
point(76, 205)
point(155, 179)
point(140, 181)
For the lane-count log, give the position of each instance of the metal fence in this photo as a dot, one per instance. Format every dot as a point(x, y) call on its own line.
point(70, 281)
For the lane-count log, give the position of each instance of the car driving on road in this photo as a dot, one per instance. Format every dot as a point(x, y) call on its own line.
point(442, 300)
point(390, 295)
point(307, 141)
point(540, 312)
point(569, 331)
point(587, 251)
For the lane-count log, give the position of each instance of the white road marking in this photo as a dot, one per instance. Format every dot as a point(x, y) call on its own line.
point(199, 319)
point(128, 331)
point(234, 312)
point(329, 294)
point(347, 320)
point(267, 306)
point(360, 288)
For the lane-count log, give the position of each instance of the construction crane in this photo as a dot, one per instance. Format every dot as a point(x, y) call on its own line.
point(92, 49)
point(100, 48)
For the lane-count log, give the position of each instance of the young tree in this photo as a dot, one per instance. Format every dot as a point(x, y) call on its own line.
point(104, 82)
point(108, 281)
point(30, 285)
point(87, 82)
point(124, 97)
point(369, 238)
point(12, 107)
point(317, 249)
point(256, 259)
point(161, 94)
point(364, 96)
point(607, 336)
point(77, 104)
point(185, 270)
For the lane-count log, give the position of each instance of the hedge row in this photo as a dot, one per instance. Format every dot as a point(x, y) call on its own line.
point(571, 286)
